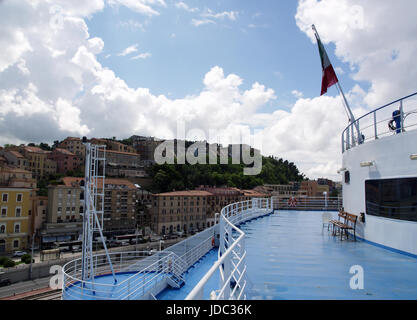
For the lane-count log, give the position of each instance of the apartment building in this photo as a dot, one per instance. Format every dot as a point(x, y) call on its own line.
point(113, 145)
point(144, 209)
point(65, 160)
point(66, 204)
point(251, 194)
point(218, 199)
point(313, 189)
point(64, 214)
point(285, 191)
point(38, 161)
point(15, 209)
point(15, 158)
point(38, 218)
point(74, 145)
point(177, 211)
point(16, 178)
point(146, 146)
point(123, 164)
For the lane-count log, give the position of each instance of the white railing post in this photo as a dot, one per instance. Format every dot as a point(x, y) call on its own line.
point(402, 116)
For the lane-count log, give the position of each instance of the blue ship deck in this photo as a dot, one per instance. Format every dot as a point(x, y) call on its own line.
point(192, 277)
point(291, 257)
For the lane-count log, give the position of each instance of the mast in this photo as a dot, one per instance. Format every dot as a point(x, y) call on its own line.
point(93, 208)
point(345, 102)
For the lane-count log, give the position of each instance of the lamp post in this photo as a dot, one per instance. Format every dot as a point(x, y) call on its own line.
point(31, 256)
point(137, 234)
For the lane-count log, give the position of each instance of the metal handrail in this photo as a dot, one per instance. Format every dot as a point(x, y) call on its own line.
point(350, 136)
point(141, 264)
point(234, 213)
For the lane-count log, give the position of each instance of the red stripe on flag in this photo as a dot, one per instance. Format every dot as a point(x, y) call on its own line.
point(329, 79)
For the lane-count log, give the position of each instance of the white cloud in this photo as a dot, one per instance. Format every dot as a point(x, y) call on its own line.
point(144, 55)
point(129, 50)
point(68, 118)
point(141, 6)
point(297, 94)
point(134, 25)
point(14, 44)
point(184, 6)
point(366, 35)
point(198, 22)
point(231, 15)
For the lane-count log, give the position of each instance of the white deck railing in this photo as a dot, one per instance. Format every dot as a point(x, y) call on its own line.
point(232, 253)
point(308, 203)
point(374, 124)
point(147, 272)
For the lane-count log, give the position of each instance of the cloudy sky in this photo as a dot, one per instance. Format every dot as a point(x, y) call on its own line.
point(107, 68)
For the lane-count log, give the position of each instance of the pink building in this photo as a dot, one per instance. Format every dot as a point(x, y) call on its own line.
point(66, 160)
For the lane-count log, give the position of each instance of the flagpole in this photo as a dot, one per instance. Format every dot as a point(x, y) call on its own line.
point(352, 117)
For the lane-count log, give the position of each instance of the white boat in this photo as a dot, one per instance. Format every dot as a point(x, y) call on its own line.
point(380, 175)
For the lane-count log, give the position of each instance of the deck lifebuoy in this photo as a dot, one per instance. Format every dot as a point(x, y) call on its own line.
point(292, 202)
point(212, 242)
point(391, 125)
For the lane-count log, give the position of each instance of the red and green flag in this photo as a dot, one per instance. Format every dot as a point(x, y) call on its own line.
point(329, 76)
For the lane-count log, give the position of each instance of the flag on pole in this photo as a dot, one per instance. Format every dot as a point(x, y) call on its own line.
point(329, 76)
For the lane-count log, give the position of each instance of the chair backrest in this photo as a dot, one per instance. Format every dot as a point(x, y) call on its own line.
point(326, 216)
point(352, 218)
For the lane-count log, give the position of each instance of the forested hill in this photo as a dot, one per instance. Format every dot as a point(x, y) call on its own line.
point(169, 177)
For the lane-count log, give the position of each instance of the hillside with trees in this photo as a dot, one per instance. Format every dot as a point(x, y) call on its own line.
point(170, 177)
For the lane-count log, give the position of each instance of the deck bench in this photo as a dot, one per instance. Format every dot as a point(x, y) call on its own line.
point(345, 222)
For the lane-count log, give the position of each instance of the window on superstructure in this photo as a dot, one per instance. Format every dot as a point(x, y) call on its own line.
point(392, 198)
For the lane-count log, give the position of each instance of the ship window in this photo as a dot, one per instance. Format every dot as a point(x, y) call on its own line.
point(347, 177)
point(392, 198)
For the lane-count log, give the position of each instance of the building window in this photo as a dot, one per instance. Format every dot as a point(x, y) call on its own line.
point(4, 211)
point(392, 198)
point(18, 211)
point(17, 228)
point(19, 197)
point(16, 244)
point(4, 197)
point(2, 229)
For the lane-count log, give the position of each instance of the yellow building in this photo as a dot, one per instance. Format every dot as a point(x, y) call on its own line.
point(15, 209)
point(38, 161)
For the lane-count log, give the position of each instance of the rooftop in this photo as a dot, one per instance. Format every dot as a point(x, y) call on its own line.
point(8, 168)
point(75, 181)
point(35, 149)
point(122, 152)
point(64, 151)
point(185, 193)
point(16, 154)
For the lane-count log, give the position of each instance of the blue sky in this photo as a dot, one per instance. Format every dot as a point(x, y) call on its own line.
point(262, 45)
point(232, 66)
